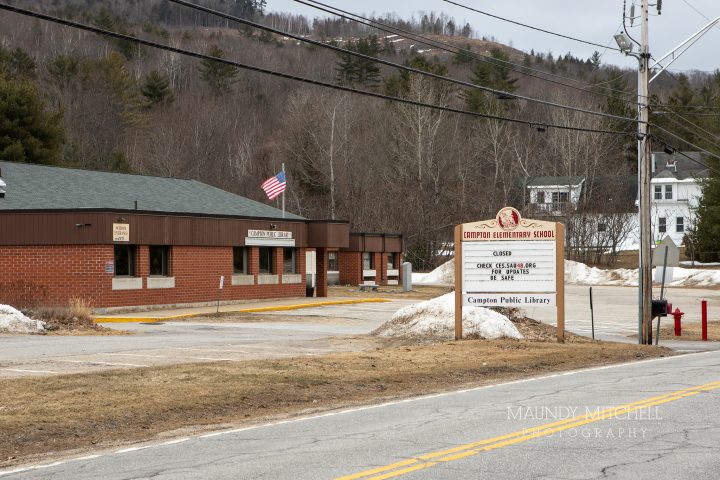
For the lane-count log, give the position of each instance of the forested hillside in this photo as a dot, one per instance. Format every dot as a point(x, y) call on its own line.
point(109, 104)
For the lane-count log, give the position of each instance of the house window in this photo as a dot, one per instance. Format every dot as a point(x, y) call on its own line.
point(560, 197)
point(333, 261)
point(239, 260)
point(668, 192)
point(662, 226)
point(368, 261)
point(391, 261)
point(289, 260)
point(602, 227)
point(266, 260)
point(159, 260)
point(124, 260)
point(658, 192)
point(540, 197)
point(680, 224)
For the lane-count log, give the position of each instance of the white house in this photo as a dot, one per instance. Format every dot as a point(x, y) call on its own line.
point(676, 191)
point(554, 195)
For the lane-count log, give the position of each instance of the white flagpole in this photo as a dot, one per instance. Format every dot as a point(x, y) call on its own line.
point(283, 194)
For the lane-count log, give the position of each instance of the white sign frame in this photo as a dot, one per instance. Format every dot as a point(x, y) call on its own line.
point(121, 232)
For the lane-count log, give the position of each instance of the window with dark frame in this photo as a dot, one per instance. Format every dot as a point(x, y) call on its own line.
point(368, 261)
point(560, 197)
point(332, 261)
point(289, 264)
point(680, 224)
point(391, 261)
point(668, 192)
point(266, 259)
point(159, 261)
point(658, 192)
point(124, 260)
point(239, 260)
point(662, 225)
point(540, 197)
point(602, 227)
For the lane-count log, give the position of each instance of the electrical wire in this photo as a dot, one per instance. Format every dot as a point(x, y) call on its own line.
point(686, 142)
point(549, 32)
point(501, 93)
point(288, 76)
point(454, 49)
point(692, 132)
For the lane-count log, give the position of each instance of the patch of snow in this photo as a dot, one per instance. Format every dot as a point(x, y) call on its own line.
point(436, 318)
point(577, 273)
point(688, 263)
point(14, 321)
point(443, 275)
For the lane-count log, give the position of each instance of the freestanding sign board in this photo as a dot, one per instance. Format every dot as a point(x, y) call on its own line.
point(510, 262)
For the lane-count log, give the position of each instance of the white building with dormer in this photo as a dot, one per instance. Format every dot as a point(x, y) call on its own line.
point(676, 189)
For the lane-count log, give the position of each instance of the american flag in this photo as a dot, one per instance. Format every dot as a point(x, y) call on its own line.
point(274, 186)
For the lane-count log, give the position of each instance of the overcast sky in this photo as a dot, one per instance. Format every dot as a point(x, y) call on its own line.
point(595, 21)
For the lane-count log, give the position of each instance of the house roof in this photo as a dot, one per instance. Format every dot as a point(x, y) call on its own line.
point(554, 181)
point(40, 187)
point(685, 168)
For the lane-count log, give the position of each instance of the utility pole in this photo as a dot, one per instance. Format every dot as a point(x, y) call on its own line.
point(644, 176)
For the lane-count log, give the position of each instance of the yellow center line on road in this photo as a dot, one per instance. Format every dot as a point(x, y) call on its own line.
point(463, 451)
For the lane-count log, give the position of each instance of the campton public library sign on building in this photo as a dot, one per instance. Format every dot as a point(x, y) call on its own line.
point(119, 240)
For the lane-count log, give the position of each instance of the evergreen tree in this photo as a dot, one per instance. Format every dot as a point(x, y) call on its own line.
point(156, 88)
point(16, 64)
point(495, 75)
point(706, 234)
point(354, 71)
point(28, 132)
point(595, 60)
point(63, 69)
point(218, 76)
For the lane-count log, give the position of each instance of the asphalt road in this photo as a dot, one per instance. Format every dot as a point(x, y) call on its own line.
point(311, 334)
point(548, 427)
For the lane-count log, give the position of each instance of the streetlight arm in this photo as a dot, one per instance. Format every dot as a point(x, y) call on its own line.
point(677, 52)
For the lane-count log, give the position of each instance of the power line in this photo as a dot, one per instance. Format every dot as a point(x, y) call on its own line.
point(501, 93)
point(287, 76)
point(568, 37)
point(454, 49)
point(686, 142)
point(688, 130)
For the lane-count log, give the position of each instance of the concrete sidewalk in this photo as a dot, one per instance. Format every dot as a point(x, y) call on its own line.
point(248, 307)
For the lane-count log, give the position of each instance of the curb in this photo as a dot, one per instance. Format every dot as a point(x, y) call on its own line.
point(278, 308)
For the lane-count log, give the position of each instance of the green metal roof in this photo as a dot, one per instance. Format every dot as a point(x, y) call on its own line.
point(39, 187)
point(550, 181)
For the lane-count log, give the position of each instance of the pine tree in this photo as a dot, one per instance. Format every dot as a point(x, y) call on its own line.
point(63, 69)
point(28, 132)
point(358, 72)
point(595, 60)
point(218, 76)
point(706, 235)
point(156, 88)
point(495, 75)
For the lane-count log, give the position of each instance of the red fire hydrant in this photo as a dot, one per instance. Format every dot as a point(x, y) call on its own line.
point(677, 315)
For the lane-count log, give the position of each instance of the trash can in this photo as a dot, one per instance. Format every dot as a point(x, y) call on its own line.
point(309, 291)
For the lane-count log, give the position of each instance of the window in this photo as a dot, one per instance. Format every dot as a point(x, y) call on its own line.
point(368, 261)
point(391, 259)
point(124, 260)
point(159, 261)
point(239, 260)
point(560, 197)
point(680, 224)
point(602, 227)
point(266, 260)
point(540, 197)
point(658, 192)
point(662, 226)
point(333, 262)
point(668, 192)
point(289, 260)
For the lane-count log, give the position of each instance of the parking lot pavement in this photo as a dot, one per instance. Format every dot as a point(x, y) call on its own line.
point(151, 344)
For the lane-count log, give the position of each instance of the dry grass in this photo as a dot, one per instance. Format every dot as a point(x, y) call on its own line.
point(419, 292)
point(50, 416)
point(74, 319)
point(691, 331)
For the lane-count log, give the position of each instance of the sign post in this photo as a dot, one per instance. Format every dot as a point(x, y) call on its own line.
point(510, 262)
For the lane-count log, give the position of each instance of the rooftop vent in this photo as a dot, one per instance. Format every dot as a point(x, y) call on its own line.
point(671, 166)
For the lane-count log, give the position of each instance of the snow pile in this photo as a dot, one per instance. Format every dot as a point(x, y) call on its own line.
point(13, 321)
point(577, 273)
point(436, 318)
point(693, 277)
point(443, 275)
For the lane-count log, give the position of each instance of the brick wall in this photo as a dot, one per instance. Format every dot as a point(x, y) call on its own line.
point(350, 264)
point(52, 275)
